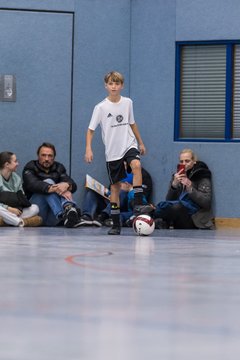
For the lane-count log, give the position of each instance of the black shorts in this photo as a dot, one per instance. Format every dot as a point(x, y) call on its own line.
point(116, 169)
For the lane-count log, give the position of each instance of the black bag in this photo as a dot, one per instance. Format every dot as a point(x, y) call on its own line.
point(14, 199)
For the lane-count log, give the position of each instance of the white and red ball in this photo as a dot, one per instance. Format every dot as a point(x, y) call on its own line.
point(143, 225)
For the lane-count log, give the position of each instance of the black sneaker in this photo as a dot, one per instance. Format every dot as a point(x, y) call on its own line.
point(96, 222)
point(115, 230)
point(142, 209)
point(129, 222)
point(71, 218)
point(108, 222)
point(102, 217)
point(85, 220)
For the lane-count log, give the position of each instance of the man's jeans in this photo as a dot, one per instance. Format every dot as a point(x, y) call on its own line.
point(51, 206)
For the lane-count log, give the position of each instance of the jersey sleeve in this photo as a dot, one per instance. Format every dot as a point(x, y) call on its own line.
point(96, 117)
point(131, 115)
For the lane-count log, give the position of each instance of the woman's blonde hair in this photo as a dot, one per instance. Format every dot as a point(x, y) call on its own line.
point(193, 155)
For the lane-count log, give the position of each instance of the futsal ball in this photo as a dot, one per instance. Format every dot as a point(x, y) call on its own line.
point(143, 225)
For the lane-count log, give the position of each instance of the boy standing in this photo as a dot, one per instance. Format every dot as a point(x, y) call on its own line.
point(121, 138)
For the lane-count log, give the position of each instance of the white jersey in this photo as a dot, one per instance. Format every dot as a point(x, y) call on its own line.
point(115, 120)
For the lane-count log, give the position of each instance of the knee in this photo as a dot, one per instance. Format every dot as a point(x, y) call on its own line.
point(136, 166)
point(34, 209)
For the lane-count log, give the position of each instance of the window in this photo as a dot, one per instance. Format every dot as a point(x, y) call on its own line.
point(207, 91)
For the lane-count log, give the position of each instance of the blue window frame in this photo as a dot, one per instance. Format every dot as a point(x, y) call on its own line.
point(207, 97)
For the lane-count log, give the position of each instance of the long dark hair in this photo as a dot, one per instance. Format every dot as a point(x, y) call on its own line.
point(5, 156)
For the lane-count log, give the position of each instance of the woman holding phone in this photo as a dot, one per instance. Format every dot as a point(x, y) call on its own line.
point(189, 197)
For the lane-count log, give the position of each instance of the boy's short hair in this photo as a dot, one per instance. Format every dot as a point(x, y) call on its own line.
point(114, 76)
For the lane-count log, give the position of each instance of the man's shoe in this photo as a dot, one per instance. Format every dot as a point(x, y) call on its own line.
point(115, 230)
point(108, 222)
point(142, 209)
point(86, 220)
point(33, 221)
point(71, 218)
point(2, 223)
point(102, 217)
point(129, 222)
point(96, 222)
point(79, 212)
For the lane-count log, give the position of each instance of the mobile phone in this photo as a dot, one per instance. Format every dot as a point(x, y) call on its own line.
point(181, 167)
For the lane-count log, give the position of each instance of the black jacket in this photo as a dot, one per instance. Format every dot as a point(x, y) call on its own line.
point(34, 176)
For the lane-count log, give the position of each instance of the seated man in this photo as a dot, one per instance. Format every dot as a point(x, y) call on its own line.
point(47, 184)
point(189, 198)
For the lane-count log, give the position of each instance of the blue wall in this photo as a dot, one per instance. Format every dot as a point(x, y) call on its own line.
point(152, 86)
point(35, 47)
point(137, 38)
point(214, 20)
point(102, 43)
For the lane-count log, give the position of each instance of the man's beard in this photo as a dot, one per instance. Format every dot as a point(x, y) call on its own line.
point(46, 164)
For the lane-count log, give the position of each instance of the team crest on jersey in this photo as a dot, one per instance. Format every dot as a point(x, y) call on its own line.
point(119, 118)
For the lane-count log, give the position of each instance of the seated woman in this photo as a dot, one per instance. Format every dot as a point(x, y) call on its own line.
point(189, 198)
point(15, 209)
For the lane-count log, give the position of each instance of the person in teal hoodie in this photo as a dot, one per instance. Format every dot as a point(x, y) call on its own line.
point(15, 209)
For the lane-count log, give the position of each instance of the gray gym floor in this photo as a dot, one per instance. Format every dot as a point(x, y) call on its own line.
point(76, 294)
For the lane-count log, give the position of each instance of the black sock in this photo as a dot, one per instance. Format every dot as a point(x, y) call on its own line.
point(138, 195)
point(115, 214)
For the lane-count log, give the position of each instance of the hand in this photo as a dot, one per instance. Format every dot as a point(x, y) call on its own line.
point(60, 188)
point(14, 211)
point(142, 149)
point(186, 182)
point(67, 195)
point(178, 178)
point(89, 156)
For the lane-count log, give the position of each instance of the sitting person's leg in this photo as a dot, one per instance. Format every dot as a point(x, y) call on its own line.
point(9, 218)
point(63, 209)
point(33, 210)
point(30, 216)
point(176, 215)
point(93, 203)
point(45, 212)
point(90, 204)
